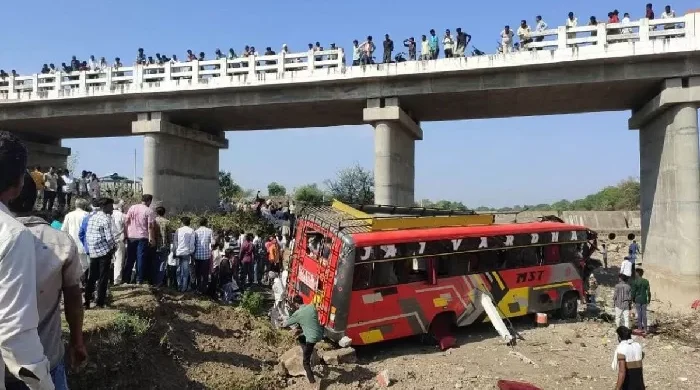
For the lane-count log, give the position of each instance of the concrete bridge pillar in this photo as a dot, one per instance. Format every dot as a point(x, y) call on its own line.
point(670, 191)
point(181, 165)
point(395, 133)
point(45, 152)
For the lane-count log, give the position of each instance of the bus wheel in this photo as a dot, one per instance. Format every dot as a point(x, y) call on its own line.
point(569, 306)
point(441, 330)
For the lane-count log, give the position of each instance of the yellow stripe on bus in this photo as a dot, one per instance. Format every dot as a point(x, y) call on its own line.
point(372, 336)
point(552, 286)
point(498, 279)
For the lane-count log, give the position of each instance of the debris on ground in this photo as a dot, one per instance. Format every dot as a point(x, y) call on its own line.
point(292, 361)
point(335, 357)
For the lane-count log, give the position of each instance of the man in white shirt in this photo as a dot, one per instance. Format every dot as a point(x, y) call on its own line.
point(507, 40)
point(71, 225)
point(58, 273)
point(119, 219)
point(69, 188)
point(184, 249)
point(20, 346)
point(626, 22)
point(524, 34)
point(626, 267)
point(571, 22)
point(668, 14)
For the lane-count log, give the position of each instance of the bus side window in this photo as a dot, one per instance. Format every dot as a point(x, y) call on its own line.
point(551, 254)
point(453, 265)
point(568, 253)
point(387, 273)
point(362, 276)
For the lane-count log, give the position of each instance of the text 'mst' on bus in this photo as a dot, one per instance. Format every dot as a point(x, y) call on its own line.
point(379, 273)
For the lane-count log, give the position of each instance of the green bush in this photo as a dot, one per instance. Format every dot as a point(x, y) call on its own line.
point(253, 302)
point(130, 325)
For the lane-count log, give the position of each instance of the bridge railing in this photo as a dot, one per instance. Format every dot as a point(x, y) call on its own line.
point(597, 41)
point(260, 68)
point(606, 33)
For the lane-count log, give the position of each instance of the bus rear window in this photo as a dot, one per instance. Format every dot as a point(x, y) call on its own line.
point(318, 245)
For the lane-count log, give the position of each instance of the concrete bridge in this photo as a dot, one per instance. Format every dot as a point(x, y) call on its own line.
point(651, 67)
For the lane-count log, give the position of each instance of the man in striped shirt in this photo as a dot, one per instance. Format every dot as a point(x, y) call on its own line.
point(101, 245)
point(203, 241)
point(622, 299)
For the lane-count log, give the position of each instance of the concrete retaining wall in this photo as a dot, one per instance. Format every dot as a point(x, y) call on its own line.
point(608, 221)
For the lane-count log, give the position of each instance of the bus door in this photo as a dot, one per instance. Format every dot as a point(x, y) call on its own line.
point(328, 257)
point(314, 269)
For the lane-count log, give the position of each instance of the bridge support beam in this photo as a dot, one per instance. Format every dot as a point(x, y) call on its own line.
point(395, 133)
point(670, 192)
point(181, 165)
point(46, 152)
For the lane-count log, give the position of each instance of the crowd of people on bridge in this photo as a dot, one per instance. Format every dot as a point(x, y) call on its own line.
point(430, 45)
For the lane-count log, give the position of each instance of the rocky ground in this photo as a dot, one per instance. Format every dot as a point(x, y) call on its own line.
point(152, 339)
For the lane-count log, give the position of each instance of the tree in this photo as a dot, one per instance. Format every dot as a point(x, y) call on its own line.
point(353, 185)
point(276, 189)
point(449, 205)
point(228, 189)
point(72, 162)
point(309, 194)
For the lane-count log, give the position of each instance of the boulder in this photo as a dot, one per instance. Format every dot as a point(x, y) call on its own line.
point(335, 357)
point(292, 361)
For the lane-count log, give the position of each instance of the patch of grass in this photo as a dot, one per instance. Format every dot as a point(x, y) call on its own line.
point(130, 325)
point(253, 302)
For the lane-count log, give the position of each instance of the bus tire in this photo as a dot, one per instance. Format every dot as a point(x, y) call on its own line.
point(569, 306)
point(441, 327)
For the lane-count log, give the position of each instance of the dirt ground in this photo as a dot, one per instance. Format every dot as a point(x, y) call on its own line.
point(153, 339)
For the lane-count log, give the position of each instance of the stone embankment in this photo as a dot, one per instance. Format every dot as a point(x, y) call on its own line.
point(618, 222)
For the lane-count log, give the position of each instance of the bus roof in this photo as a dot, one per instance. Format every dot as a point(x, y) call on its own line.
point(365, 239)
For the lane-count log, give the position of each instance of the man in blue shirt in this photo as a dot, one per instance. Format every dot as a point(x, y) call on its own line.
point(634, 251)
point(433, 43)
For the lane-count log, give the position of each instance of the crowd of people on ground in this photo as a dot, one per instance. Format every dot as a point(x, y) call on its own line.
point(56, 187)
point(453, 45)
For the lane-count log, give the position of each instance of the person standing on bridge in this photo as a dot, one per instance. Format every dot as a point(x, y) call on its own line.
point(448, 43)
point(434, 46)
point(410, 43)
point(524, 34)
point(571, 22)
point(507, 40)
point(388, 48)
point(463, 40)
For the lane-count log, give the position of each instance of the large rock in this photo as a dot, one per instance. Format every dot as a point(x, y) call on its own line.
point(292, 361)
point(339, 356)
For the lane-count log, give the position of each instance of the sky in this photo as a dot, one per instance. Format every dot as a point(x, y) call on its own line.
point(493, 162)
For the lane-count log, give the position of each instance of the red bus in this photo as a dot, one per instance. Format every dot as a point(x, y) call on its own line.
point(376, 278)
